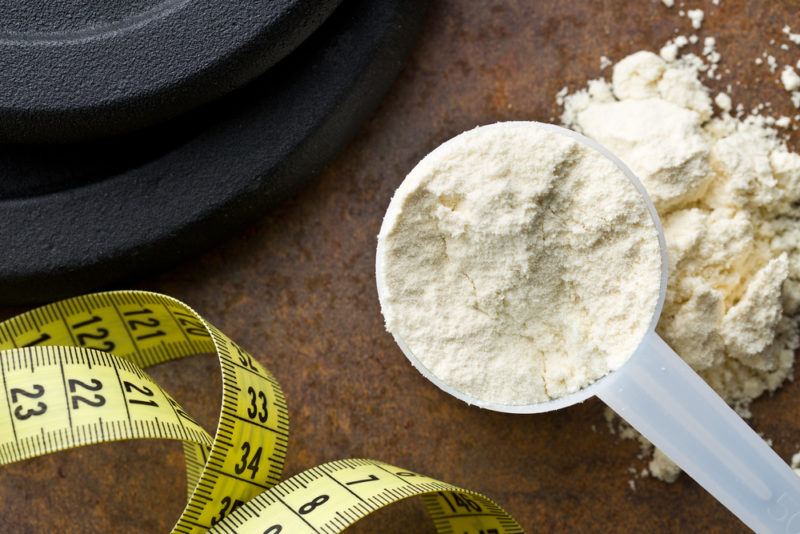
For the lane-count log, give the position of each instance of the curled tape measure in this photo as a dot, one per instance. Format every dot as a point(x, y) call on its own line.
point(71, 375)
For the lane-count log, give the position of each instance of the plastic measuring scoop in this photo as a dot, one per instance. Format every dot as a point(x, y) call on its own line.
point(664, 399)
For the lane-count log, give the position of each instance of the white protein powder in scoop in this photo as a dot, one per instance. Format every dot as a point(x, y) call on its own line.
point(518, 265)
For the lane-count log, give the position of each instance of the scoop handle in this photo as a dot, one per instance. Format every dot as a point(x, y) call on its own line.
point(664, 399)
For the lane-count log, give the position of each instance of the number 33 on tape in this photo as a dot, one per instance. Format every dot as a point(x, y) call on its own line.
point(71, 375)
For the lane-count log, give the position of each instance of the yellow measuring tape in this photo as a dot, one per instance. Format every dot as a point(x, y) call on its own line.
point(71, 375)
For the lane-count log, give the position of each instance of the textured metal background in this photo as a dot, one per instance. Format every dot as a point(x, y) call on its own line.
point(297, 289)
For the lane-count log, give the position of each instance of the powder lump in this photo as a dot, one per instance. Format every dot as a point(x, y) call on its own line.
point(518, 265)
point(726, 190)
point(790, 79)
point(723, 101)
point(696, 16)
point(793, 37)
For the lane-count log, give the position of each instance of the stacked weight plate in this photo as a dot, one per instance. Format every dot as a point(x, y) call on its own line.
point(135, 133)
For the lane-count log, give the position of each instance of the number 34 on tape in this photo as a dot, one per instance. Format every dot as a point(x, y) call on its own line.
point(71, 375)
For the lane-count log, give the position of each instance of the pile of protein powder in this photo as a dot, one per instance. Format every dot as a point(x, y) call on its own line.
point(727, 190)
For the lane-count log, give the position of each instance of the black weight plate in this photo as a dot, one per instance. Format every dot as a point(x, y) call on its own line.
point(96, 213)
point(76, 70)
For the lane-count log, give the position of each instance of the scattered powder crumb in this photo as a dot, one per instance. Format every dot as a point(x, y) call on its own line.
point(783, 122)
point(723, 101)
point(671, 48)
point(791, 82)
point(668, 3)
point(694, 39)
point(708, 45)
point(669, 52)
point(605, 62)
point(790, 79)
point(696, 16)
point(796, 463)
point(561, 94)
point(610, 418)
point(759, 61)
point(727, 190)
point(662, 468)
point(793, 37)
point(772, 62)
point(712, 56)
point(632, 484)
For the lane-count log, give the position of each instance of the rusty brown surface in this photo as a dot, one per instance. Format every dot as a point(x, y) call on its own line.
point(297, 289)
